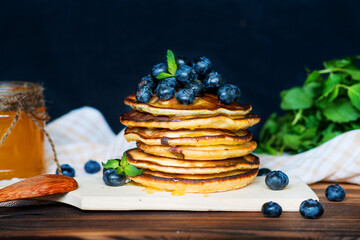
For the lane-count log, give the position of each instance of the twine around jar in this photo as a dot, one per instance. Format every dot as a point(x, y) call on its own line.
point(28, 100)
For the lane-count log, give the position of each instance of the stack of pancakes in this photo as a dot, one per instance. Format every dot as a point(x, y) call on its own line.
point(202, 147)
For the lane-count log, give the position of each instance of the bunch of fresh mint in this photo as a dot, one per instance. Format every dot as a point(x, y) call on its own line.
point(327, 105)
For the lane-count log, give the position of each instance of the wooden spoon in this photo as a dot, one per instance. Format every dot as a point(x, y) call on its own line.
point(38, 186)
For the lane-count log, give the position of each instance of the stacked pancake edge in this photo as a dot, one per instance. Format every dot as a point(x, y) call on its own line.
point(200, 148)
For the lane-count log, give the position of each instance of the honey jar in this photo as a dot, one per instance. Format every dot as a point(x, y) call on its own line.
point(22, 121)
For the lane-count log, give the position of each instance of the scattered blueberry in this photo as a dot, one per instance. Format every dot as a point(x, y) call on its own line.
point(228, 93)
point(146, 81)
point(213, 81)
point(165, 91)
point(276, 180)
point(92, 166)
point(335, 193)
point(111, 178)
point(263, 172)
point(311, 209)
point(203, 65)
point(66, 170)
point(184, 74)
point(158, 68)
point(143, 95)
point(170, 81)
point(185, 96)
point(197, 86)
point(271, 209)
point(181, 60)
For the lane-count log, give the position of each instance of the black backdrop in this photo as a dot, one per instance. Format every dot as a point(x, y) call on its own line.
point(94, 52)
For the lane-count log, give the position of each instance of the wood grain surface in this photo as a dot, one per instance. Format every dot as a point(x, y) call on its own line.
point(341, 220)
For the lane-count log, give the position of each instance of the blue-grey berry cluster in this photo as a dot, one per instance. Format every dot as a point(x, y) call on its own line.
point(192, 79)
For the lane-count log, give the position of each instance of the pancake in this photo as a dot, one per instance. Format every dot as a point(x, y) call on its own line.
point(143, 160)
point(210, 153)
point(198, 137)
point(205, 105)
point(196, 183)
point(147, 120)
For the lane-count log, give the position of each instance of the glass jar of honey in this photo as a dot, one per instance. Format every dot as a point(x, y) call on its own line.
point(22, 120)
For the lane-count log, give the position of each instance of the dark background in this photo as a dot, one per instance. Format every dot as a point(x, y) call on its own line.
point(94, 52)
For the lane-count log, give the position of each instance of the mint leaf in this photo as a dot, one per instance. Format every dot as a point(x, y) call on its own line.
point(341, 111)
point(296, 98)
point(292, 141)
point(354, 73)
point(132, 171)
point(330, 84)
point(119, 170)
point(111, 163)
point(338, 63)
point(354, 95)
point(172, 67)
point(163, 75)
point(312, 77)
point(123, 161)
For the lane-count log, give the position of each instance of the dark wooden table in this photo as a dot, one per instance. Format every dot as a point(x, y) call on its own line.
point(340, 220)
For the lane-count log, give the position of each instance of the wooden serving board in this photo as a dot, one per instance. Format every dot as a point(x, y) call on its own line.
point(93, 194)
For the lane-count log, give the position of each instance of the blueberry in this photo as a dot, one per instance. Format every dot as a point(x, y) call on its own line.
point(263, 172)
point(213, 81)
point(335, 193)
point(66, 170)
point(203, 65)
point(271, 209)
point(92, 166)
point(197, 86)
point(311, 209)
point(170, 81)
point(157, 69)
point(146, 81)
point(228, 93)
point(276, 180)
point(184, 74)
point(181, 60)
point(111, 178)
point(143, 95)
point(165, 91)
point(185, 96)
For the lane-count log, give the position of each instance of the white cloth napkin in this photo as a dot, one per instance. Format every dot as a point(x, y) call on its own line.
point(84, 134)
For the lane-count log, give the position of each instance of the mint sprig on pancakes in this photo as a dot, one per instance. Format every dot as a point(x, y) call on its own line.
point(172, 67)
point(122, 166)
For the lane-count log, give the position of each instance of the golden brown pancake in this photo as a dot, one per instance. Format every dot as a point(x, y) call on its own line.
point(216, 152)
point(143, 160)
point(147, 120)
point(205, 105)
point(197, 137)
point(204, 183)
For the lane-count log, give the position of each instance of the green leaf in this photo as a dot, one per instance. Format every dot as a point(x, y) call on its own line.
point(329, 136)
point(163, 75)
point(354, 73)
point(111, 163)
point(123, 161)
point(292, 141)
point(132, 171)
point(172, 67)
point(312, 77)
point(330, 84)
point(296, 98)
point(354, 95)
point(338, 63)
point(341, 111)
point(334, 93)
point(119, 170)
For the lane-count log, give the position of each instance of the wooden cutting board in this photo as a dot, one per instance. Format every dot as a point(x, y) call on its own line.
point(93, 194)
